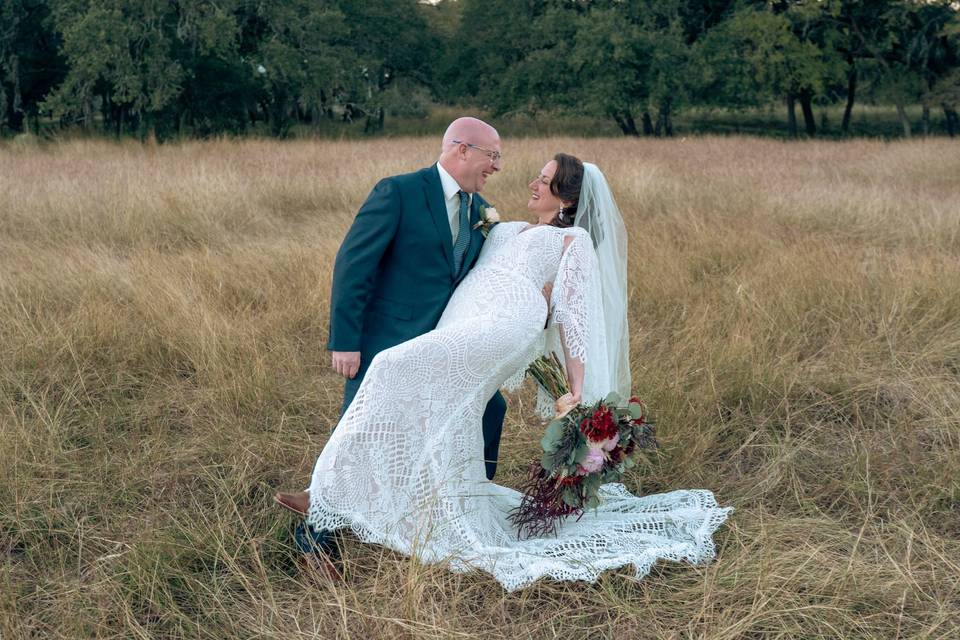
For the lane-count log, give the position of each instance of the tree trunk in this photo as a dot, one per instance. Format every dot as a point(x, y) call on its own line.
point(4, 108)
point(87, 114)
point(325, 108)
point(904, 121)
point(851, 96)
point(374, 121)
point(15, 76)
point(279, 113)
point(664, 123)
point(647, 124)
point(806, 105)
point(953, 120)
point(926, 120)
point(792, 115)
point(14, 119)
point(16, 107)
point(105, 112)
point(148, 129)
point(625, 121)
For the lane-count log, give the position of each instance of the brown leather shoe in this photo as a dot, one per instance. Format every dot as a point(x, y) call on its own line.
point(292, 502)
point(319, 565)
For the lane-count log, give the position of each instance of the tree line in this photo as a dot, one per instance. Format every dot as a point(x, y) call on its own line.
point(198, 68)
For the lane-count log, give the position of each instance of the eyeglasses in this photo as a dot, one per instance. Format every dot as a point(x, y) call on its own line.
point(490, 153)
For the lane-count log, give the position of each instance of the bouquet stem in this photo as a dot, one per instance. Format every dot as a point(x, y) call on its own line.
point(550, 374)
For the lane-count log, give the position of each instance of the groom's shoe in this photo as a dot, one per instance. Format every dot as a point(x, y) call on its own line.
point(295, 502)
point(321, 565)
point(318, 553)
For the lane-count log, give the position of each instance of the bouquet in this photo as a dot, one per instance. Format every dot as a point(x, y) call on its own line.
point(583, 447)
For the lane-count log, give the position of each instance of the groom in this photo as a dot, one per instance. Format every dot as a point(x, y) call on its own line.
point(410, 245)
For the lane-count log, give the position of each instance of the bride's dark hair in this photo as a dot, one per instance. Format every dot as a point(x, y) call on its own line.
point(566, 185)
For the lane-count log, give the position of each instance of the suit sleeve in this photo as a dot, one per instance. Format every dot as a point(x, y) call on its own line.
point(358, 262)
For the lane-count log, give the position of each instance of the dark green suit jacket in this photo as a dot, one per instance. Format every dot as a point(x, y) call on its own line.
point(394, 271)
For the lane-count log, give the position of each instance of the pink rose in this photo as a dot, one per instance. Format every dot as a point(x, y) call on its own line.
point(594, 460)
point(610, 443)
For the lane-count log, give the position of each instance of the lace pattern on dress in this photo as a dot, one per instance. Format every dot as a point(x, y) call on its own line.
point(404, 466)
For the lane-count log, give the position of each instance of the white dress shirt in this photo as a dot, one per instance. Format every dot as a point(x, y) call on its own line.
point(450, 191)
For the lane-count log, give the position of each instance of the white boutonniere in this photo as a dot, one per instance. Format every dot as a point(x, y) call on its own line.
point(488, 218)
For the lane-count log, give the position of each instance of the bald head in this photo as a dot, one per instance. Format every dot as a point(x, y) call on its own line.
point(470, 160)
point(468, 129)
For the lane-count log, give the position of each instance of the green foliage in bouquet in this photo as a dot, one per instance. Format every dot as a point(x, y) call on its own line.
point(587, 447)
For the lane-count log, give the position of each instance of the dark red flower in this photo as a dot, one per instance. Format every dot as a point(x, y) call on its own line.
point(568, 481)
point(600, 426)
point(586, 425)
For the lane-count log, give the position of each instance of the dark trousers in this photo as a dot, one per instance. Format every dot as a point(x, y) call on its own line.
point(308, 538)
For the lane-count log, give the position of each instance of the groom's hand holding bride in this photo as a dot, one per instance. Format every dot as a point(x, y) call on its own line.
point(346, 363)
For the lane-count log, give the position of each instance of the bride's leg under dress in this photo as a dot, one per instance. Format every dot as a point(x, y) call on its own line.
point(407, 455)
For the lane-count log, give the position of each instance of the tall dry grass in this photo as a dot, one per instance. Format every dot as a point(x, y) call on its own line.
point(795, 314)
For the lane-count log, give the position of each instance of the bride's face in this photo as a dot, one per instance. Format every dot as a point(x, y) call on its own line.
point(542, 201)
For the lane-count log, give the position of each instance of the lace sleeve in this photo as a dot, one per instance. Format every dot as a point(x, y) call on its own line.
point(578, 313)
point(571, 289)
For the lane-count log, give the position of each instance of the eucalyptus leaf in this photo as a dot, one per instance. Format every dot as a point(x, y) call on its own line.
point(548, 461)
point(552, 435)
point(580, 453)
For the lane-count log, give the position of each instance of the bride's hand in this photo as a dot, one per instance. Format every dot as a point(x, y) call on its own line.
point(548, 291)
point(566, 403)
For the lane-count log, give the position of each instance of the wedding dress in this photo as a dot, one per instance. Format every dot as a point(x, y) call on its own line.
point(404, 467)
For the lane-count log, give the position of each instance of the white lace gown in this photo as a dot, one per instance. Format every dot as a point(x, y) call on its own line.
point(404, 467)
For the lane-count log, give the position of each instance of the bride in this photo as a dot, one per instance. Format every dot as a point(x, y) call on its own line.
point(404, 467)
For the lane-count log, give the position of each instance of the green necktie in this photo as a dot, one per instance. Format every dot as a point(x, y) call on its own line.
point(463, 237)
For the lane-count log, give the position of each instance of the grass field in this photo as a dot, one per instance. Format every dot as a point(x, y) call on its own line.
point(795, 315)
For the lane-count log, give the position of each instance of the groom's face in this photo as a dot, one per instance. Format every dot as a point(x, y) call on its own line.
point(477, 165)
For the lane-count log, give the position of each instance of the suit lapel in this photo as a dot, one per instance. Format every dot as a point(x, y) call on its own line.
point(433, 190)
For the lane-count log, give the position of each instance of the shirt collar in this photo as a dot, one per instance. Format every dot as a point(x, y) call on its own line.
point(450, 186)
